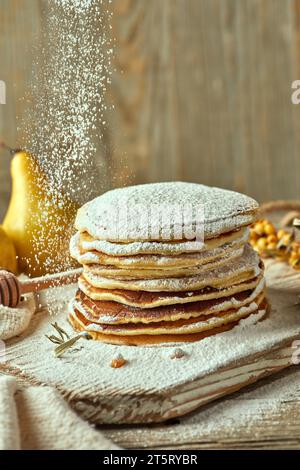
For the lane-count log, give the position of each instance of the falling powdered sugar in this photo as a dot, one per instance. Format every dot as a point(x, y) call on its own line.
point(71, 73)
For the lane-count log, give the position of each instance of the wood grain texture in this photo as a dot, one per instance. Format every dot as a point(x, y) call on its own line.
point(19, 31)
point(201, 89)
point(259, 426)
point(203, 93)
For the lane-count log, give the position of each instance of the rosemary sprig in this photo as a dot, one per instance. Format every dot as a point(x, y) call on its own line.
point(63, 340)
point(63, 335)
point(63, 347)
point(54, 339)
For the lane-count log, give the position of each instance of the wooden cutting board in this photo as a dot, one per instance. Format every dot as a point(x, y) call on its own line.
point(152, 387)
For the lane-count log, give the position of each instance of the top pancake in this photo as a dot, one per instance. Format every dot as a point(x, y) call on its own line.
point(223, 212)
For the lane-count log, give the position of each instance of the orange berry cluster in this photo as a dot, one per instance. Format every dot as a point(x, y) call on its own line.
point(294, 259)
point(269, 242)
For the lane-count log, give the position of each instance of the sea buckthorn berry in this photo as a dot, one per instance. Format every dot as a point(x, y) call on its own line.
point(295, 249)
point(269, 229)
point(295, 263)
point(294, 255)
point(261, 244)
point(286, 239)
point(272, 238)
point(281, 232)
point(259, 228)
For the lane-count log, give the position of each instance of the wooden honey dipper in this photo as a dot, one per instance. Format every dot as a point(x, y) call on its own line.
point(12, 289)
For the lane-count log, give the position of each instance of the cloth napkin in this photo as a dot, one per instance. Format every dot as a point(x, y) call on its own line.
point(14, 321)
point(38, 418)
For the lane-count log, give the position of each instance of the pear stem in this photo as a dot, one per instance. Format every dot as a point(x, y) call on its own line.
point(7, 147)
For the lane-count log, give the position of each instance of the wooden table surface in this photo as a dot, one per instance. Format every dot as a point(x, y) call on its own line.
point(263, 416)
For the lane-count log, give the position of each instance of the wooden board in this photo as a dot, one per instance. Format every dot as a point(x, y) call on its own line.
point(152, 387)
point(265, 415)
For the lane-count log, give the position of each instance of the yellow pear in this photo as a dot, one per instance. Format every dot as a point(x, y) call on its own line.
point(38, 220)
point(8, 257)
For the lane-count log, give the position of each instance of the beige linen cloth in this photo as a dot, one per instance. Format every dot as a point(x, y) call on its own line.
point(38, 417)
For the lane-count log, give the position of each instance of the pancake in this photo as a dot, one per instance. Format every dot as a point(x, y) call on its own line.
point(181, 326)
point(170, 248)
point(143, 299)
point(143, 212)
point(152, 340)
point(177, 331)
point(147, 261)
point(165, 263)
point(241, 269)
point(108, 312)
point(158, 273)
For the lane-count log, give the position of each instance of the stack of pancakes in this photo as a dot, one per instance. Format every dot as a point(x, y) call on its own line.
point(142, 285)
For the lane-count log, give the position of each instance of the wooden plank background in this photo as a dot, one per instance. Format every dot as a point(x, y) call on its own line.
point(201, 90)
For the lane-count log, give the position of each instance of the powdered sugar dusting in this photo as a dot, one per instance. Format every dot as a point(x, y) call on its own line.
point(80, 6)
